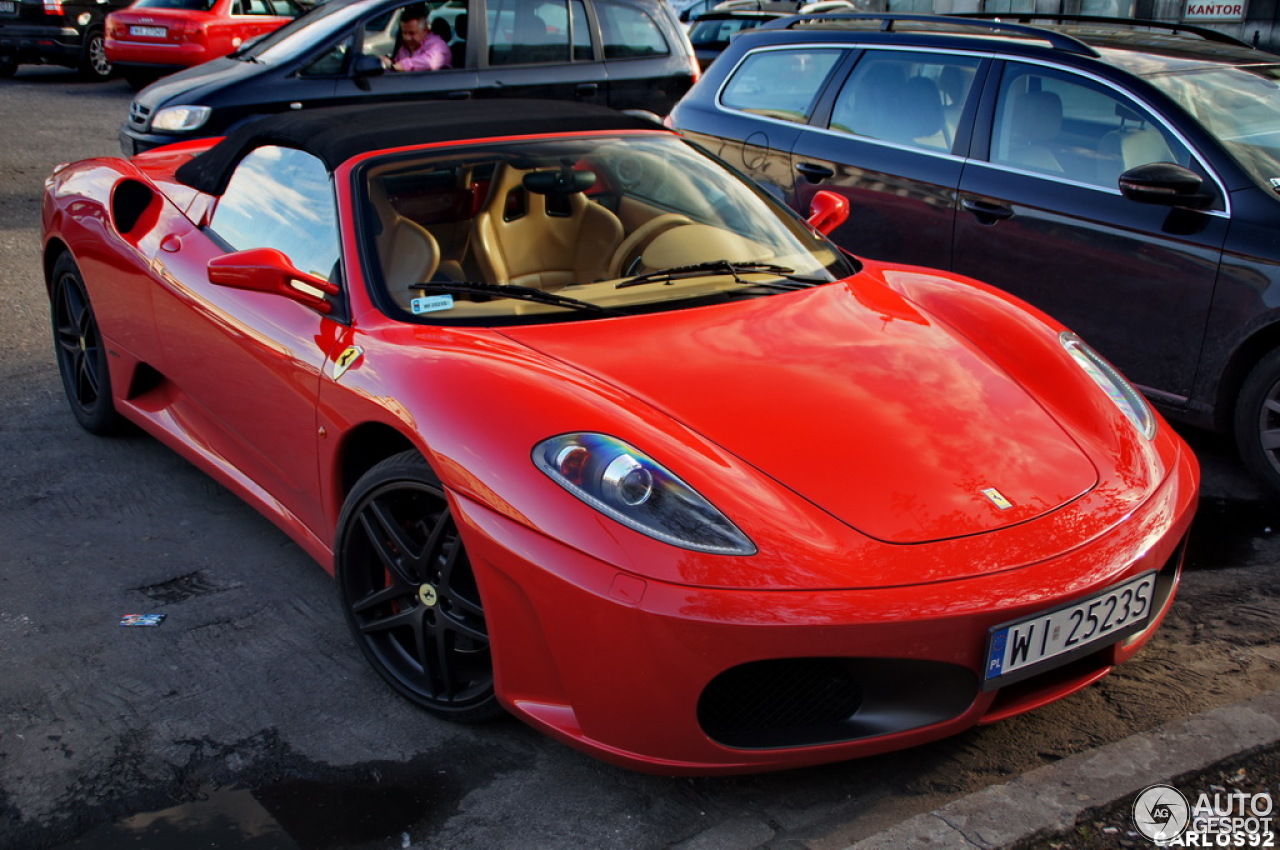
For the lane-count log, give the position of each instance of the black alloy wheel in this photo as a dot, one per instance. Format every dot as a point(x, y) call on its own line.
point(409, 592)
point(94, 64)
point(81, 355)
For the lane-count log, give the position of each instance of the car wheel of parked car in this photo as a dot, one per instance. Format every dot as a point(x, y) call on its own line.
point(82, 358)
point(1258, 421)
point(94, 64)
point(8, 66)
point(409, 593)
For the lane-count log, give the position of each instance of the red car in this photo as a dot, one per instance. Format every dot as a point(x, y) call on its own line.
point(155, 37)
point(593, 430)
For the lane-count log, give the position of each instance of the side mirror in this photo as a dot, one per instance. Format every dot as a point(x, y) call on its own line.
point(827, 211)
point(269, 270)
point(1166, 184)
point(367, 66)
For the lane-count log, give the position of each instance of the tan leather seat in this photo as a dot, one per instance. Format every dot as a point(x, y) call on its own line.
point(545, 240)
point(407, 252)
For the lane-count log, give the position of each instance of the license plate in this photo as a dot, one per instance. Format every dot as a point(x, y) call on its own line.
point(1025, 647)
point(8, 7)
point(150, 32)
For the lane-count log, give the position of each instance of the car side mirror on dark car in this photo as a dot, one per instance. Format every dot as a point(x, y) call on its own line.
point(269, 270)
point(1166, 184)
point(827, 211)
point(367, 66)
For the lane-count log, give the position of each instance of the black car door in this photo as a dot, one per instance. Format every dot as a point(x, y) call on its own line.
point(763, 108)
point(376, 37)
point(893, 143)
point(1042, 217)
point(539, 49)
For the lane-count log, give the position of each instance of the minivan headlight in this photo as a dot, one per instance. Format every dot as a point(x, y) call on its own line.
point(180, 119)
point(1117, 388)
point(624, 483)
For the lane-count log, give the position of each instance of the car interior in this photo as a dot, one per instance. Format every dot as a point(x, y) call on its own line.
point(549, 224)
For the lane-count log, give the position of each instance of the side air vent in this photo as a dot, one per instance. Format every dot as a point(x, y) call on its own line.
point(130, 200)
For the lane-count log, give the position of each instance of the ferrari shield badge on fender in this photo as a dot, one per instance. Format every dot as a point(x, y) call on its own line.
point(997, 498)
point(346, 360)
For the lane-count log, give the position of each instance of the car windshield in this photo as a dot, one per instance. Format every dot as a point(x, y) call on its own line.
point(574, 229)
point(189, 5)
point(301, 34)
point(1238, 104)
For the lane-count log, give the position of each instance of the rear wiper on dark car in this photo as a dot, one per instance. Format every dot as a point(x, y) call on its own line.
point(507, 290)
point(725, 267)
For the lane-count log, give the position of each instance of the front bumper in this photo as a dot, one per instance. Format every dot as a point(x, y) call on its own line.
point(674, 679)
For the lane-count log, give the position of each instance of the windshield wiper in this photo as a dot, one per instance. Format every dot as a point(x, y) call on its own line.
point(725, 267)
point(508, 290)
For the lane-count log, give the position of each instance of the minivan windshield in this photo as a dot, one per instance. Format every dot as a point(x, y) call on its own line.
point(301, 34)
point(1240, 105)
point(577, 228)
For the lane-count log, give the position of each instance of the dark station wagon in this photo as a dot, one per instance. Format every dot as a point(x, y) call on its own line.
point(1120, 175)
point(625, 54)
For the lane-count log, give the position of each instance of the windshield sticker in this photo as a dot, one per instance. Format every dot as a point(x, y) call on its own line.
point(430, 304)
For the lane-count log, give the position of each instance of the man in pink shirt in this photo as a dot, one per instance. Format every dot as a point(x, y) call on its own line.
point(420, 49)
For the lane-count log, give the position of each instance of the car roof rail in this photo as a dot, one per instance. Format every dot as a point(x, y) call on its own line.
point(1191, 29)
point(1056, 40)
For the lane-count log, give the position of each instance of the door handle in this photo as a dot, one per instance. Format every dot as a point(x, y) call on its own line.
point(986, 212)
point(587, 89)
point(815, 173)
point(464, 94)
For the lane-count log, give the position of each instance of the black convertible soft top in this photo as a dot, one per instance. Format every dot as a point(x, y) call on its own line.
point(336, 134)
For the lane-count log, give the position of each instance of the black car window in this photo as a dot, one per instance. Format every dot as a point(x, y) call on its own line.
point(629, 31)
point(780, 83)
point(1075, 128)
point(523, 32)
point(906, 98)
point(281, 198)
point(330, 62)
point(287, 8)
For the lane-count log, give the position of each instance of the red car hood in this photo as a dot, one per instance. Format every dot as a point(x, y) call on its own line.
point(850, 397)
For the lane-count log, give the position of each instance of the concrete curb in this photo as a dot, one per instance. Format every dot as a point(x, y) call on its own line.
point(1051, 798)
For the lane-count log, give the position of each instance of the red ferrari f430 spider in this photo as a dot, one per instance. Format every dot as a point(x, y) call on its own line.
point(593, 431)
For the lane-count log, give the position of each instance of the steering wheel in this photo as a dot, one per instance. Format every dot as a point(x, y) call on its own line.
point(631, 249)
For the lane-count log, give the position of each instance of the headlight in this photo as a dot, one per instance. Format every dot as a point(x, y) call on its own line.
point(1117, 388)
point(629, 486)
point(180, 119)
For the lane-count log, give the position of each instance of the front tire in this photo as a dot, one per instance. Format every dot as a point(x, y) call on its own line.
point(409, 592)
point(1257, 421)
point(81, 354)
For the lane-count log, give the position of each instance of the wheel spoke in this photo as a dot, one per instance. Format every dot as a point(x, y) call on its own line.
point(1270, 439)
point(465, 628)
point(394, 591)
point(397, 552)
point(410, 617)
